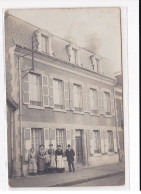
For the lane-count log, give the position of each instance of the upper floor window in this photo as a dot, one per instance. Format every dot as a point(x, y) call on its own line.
point(77, 97)
point(97, 142)
point(74, 55)
point(107, 103)
point(44, 40)
point(58, 93)
point(35, 89)
point(93, 100)
point(110, 141)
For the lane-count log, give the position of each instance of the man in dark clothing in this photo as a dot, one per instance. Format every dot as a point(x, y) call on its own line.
point(70, 157)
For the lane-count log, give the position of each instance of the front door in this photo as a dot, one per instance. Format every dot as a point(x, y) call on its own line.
point(79, 151)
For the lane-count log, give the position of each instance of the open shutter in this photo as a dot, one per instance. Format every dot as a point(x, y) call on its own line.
point(91, 138)
point(27, 142)
point(67, 96)
point(88, 99)
point(102, 142)
point(68, 136)
point(115, 141)
point(51, 102)
point(101, 101)
point(45, 89)
point(85, 98)
point(26, 89)
point(52, 133)
point(112, 105)
point(71, 96)
point(106, 141)
point(46, 137)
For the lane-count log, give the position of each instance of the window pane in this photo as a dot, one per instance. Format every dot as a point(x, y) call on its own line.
point(58, 92)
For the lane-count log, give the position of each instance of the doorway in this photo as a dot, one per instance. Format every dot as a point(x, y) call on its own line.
point(79, 149)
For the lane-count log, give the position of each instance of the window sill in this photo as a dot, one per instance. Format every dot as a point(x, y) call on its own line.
point(76, 112)
point(94, 114)
point(111, 153)
point(108, 116)
point(97, 154)
point(59, 110)
point(36, 107)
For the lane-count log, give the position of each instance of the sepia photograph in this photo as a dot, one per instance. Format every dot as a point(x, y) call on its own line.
point(64, 94)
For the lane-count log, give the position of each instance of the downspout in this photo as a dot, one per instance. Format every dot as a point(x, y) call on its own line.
point(116, 121)
point(20, 115)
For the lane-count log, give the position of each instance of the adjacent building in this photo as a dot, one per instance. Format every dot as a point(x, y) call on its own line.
point(62, 97)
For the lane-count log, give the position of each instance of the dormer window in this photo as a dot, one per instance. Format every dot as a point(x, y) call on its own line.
point(95, 64)
point(74, 57)
point(44, 40)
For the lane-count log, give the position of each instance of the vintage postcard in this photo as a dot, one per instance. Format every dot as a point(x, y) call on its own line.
point(64, 85)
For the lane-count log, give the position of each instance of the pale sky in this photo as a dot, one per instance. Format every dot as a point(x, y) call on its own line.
point(96, 29)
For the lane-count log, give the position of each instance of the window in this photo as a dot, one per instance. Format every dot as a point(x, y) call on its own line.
point(93, 101)
point(44, 40)
point(60, 138)
point(110, 141)
point(107, 103)
point(97, 142)
point(35, 89)
point(77, 97)
point(74, 51)
point(58, 93)
point(36, 139)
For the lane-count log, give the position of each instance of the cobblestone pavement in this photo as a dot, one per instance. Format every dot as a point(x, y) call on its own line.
point(81, 175)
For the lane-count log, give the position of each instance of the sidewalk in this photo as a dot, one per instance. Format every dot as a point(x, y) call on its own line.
point(68, 178)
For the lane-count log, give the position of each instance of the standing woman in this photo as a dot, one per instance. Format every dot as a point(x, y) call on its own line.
point(59, 159)
point(32, 168)
point(51, 153)
point(41, 160)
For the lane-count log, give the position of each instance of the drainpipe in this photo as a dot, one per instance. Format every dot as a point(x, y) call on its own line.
point(116, 121)
point(20, 115)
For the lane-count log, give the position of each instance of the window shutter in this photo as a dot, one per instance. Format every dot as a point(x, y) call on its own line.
point(106, 141)
point(45, 90)
point(67, 96)
point(112, 105)
point(27, 142)
point(102, 142)
point(71, 97)
point(68, 136)
point(115, 142)
point(25, 87)
point(46, 138)
point(81, 97)
point(101, 102)
point(88, 99)
point(52, 133)
point(91, 138)
point(38, 34)
point(85, 98)
point(51, 101)
point(50, 46)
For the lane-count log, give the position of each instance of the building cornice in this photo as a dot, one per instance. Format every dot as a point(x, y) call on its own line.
point(47, 58)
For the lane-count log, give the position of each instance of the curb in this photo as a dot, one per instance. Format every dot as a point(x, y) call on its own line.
point(87, 179)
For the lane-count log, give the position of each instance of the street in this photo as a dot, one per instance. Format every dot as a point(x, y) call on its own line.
point(109, 181)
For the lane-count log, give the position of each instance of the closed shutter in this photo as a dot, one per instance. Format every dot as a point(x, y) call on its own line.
point(85, 98)
point(115, 142)
point(73, 138)
point(102, 142)
point(112, 105)
point(101, 102)
point(52, 133)
point(46, 138)
point(45, 89)
point(106, 141)
point(25, 88)
point(51, 101)
point(71, 97)
point(67, 96)
point(27, 142)
point(91, 138)
point(88, 99)
point(68, 136)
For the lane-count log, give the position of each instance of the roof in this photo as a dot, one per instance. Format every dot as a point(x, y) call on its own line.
point(19, 32)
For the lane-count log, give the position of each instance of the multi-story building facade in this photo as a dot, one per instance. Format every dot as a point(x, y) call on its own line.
point(63, 97)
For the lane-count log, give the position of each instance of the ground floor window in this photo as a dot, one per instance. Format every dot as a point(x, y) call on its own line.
point(36, 138)
point(61, 138)
point(97, 142)
point(110, 141)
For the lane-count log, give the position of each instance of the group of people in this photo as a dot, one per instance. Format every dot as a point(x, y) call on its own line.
point(50, 161)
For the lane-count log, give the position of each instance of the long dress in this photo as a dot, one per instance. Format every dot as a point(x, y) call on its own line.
point(32, 168)
point(59, 160)
point(52, 165)
point(41, 162)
